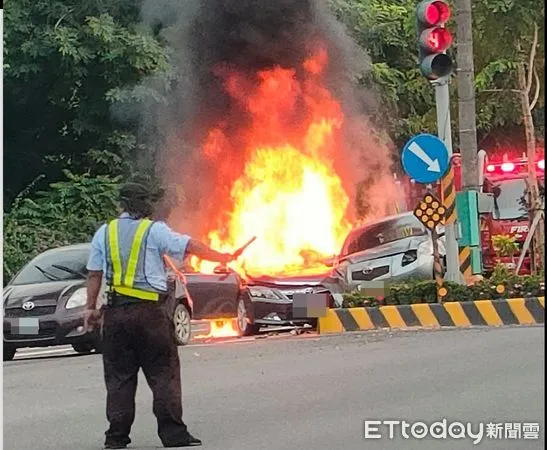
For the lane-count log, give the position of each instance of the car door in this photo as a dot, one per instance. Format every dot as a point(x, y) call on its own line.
point(214, 296)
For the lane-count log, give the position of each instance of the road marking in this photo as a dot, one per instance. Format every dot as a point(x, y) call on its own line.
point(42, 349)
point(432, 165)
point(29, 353)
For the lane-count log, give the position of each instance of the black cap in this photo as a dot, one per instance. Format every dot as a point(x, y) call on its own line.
point(140, 199)
point(139, 191)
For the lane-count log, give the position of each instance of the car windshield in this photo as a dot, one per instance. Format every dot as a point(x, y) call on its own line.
point(509, 199)
point(382, 233)
point(54, 265)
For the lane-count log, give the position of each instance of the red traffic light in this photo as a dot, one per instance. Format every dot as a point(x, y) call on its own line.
point(436, 40)
point(433, 13)
point(433, 38)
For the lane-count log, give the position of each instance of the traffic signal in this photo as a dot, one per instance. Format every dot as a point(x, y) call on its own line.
point(434, 39)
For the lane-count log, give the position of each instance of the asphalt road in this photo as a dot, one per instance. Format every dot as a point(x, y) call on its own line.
point(299, 393)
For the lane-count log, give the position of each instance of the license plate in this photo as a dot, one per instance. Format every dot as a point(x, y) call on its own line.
point(26, 325)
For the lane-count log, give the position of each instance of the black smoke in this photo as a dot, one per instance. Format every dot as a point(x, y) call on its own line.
point(246, 35)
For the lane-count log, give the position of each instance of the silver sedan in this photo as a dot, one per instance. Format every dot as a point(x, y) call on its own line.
point(392, 249)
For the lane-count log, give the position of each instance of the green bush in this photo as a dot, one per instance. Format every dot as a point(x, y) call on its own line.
point(68, 212)
point(425, 291)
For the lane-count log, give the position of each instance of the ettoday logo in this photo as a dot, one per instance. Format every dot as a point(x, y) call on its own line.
point(419, 430)
point(442, 429)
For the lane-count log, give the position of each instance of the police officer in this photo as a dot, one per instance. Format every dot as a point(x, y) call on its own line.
point(138, 331)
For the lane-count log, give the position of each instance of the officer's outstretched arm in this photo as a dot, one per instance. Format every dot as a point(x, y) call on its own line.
point(178, 245)
point(203, 251)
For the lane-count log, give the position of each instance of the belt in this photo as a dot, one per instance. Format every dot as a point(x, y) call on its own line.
point(116, 300)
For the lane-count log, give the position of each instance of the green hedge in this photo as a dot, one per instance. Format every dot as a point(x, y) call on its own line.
point(425, 291)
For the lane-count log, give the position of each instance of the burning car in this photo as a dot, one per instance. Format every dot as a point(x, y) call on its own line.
point(252, 303)
point(265, 292)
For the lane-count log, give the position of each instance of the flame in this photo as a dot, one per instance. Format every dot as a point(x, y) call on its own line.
point(220, 328)
point(283, 184)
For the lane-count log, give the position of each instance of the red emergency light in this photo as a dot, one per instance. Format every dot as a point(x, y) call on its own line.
point(516, 167)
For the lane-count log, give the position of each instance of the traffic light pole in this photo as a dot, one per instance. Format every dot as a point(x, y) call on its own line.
point(442, 100)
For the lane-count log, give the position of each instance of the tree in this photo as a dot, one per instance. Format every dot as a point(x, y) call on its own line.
point(517, 60)
point(67, 64)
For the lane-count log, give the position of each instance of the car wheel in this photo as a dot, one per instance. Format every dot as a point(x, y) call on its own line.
point(83, 348)
point(9, 353)
point(245, 327)
point(183, 328)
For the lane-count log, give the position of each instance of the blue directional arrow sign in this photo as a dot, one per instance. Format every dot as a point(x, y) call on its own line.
point(425, 158)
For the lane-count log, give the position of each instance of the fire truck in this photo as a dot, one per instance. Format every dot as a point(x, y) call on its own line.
point(504, 177)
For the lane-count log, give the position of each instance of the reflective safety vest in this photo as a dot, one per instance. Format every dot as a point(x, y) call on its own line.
point(125, 286)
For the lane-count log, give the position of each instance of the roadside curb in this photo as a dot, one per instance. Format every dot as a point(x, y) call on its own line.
point(493, 313)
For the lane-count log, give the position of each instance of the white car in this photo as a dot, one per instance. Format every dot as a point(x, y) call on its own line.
point(392, 249)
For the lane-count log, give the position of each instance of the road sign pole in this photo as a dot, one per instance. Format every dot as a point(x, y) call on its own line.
point(442, 100)
point(437, 267)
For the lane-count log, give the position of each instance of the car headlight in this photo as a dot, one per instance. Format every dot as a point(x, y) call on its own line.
point(77, 299)
point(409, 257)
point(263, 292)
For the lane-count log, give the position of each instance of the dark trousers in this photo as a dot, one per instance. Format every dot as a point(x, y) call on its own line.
point(141, 336)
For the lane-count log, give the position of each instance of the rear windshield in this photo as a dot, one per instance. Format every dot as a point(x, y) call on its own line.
point(54, 265)
point(382, 233)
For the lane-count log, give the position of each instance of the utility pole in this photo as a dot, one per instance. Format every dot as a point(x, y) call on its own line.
point(444, 131)
point(468, 200)
point(466, 95)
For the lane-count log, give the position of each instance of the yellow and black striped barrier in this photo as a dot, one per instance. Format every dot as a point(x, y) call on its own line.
point(466, 268)
point(515, 311)
point(448, 196)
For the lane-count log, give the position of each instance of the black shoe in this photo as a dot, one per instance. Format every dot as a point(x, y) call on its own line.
point(188, 441)
point(122, 444)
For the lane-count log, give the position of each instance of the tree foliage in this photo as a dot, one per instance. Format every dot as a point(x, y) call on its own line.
point(68, 212)
point(65, 63)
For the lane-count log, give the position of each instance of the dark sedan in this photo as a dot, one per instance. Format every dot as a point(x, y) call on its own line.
point(272, 298)
point(253, 302)
point(44, 303)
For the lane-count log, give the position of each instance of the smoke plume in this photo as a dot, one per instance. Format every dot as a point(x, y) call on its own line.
point(210, 38)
